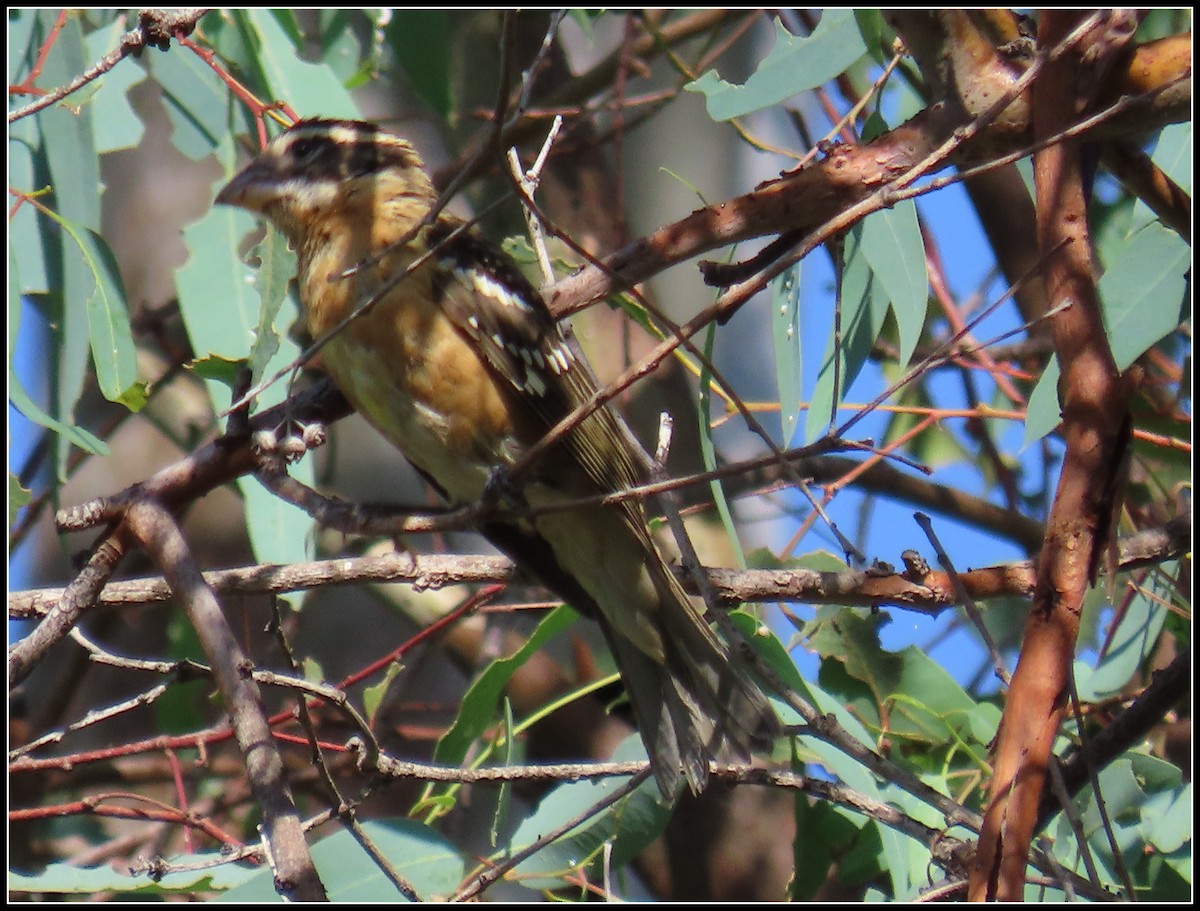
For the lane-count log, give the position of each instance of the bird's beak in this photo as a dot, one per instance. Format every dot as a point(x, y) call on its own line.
point(233, 191)
point(251, 188)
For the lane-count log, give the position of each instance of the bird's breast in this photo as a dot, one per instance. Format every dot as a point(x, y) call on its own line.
point(417, 379)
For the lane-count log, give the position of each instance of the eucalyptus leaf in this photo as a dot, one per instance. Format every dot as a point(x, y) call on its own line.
point(795, 64)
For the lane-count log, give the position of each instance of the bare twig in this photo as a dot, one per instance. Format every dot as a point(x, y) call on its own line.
point(155, 28)
point(78, 597)
point(490, 875)
point(931, 592)
point(155, 529)
point(965, 598)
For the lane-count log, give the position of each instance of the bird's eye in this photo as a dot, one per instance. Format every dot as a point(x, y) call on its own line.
point(306, 149)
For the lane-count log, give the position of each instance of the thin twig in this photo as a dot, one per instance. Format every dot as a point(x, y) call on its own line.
point(157, 532)
point(432, 571)
point(1097, 796)
point(966, 600)
point(489, 876)
point(155, 29)
point(346, 809)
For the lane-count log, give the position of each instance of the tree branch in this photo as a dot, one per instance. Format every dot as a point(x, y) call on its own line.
point(295, 874)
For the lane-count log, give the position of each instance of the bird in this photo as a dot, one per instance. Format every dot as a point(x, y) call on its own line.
point(460, 365)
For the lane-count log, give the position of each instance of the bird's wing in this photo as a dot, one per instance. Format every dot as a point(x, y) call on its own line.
point(488, 298)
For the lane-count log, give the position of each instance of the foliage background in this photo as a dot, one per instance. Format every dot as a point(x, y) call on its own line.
point(136, 301)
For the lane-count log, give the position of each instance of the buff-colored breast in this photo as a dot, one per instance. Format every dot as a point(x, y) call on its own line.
point(408, 370)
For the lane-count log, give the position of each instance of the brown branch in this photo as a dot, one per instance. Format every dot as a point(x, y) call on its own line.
point(26, 86)
point(803, 201)
point(219, 462)
point(159, 812)
point(577, 89)
point(1143, 178)
point(77, 598)
point(965, 598)
point(155, 29)
point(948, 852)
point(886, 480)
point(926, 590)
point(481, 881)
point(176, 486)
point(1095, 429)
point(159, 535)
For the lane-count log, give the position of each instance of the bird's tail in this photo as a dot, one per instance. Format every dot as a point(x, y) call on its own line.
point(693, 700)
point(699, 703)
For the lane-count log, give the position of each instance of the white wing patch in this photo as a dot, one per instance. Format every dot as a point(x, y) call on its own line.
point(528, 361)
point(560, 358)
point(488, 287)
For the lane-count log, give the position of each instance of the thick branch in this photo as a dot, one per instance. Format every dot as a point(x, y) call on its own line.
point(802, 201)
point(159, 535)
point(1096, 431)
point(923, 590)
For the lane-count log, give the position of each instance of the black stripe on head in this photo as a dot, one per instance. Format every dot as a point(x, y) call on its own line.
point(344, 150)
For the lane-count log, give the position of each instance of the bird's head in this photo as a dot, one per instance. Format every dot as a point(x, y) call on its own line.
point(323, 169)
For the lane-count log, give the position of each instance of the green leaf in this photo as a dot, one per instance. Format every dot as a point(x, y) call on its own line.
point(984, 722)
point(18, 496)
point(1144, 292)
point(277, 265)
point(785, 332)
point(74, 172)
point(1124, 794)
point(24, 40)
point(836, 762)
point(373, 695)
point(27, 240)
point(421, 40)
point(795, 64)
point(479, 705)
point(430, 863)
point(17, 395)
point(877, 38)
point(76, 436)
point(196, 101)
point(224, 370)
point(342, 44)
point(116, 124)
point(929, 706)
point(1173, 154)
point(864, 310)
point(1167, 819)
point(850, 637)
point(822, 835)
point(1134, 640)
point(1043, 413)
point(1143, 296)
point(65, 879)
point(892, 245)
point(311, 88)
point(222, 308)
point(708, 451)
point(508, 742)
point(279, 531)
point(236, 45)
point(629, 825)
point(74, 166)
point(109, 334)
point(288, 24)
point(217, 296)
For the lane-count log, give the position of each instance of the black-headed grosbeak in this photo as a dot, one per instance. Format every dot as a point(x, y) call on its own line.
point(462, 368)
